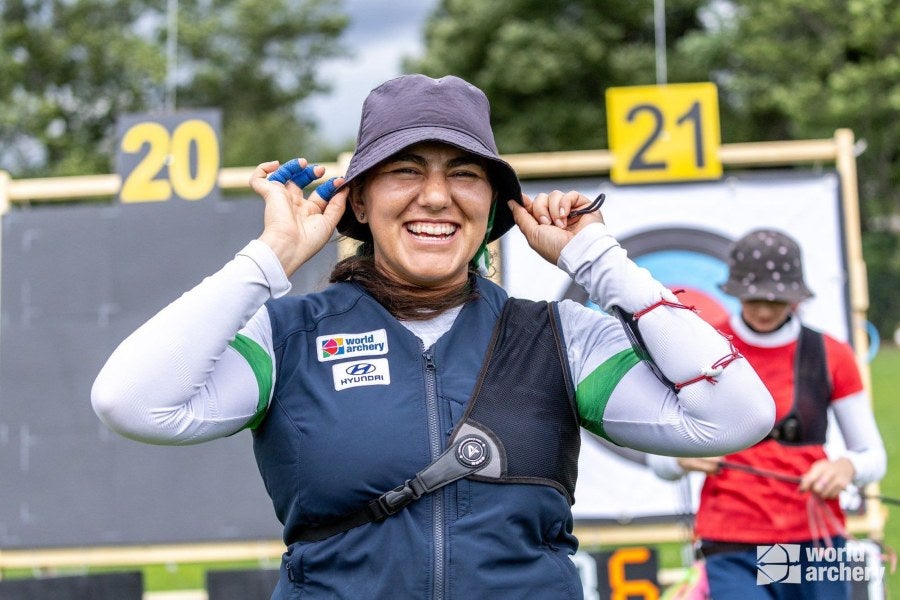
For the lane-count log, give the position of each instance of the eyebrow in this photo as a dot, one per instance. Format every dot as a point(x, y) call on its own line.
point(466, 159)
point(407, 157)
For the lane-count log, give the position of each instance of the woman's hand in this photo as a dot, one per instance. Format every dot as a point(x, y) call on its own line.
point(546, 221)
point(828, 478)
point(295, 227)
point(710, 466)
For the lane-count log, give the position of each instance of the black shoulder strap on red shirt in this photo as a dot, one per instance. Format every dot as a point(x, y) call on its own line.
point(807, 421)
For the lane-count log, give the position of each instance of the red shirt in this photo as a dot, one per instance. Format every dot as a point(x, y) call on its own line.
point(736, 506)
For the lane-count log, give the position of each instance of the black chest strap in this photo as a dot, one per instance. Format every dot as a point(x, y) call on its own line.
point(469, 454)
point(525, 400)
point(807, 421)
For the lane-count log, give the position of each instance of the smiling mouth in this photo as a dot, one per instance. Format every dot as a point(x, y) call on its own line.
point(432, 231)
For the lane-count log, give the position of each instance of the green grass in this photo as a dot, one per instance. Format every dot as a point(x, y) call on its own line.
point(885, 371)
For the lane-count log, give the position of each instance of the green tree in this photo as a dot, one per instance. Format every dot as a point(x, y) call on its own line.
point(799, 69)
point(785, 69)
point(545, 64)
point(63, 80)
point(257, 61)
point(70, 68)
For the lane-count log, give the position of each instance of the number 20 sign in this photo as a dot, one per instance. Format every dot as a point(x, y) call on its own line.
point(663, 133)
point(160, 157)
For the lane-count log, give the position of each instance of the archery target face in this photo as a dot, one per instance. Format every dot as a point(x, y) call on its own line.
point(693, 262)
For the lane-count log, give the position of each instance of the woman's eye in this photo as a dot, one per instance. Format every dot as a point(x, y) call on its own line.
point(404, 170)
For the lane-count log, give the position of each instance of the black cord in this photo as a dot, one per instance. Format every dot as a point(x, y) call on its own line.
point(594, 205)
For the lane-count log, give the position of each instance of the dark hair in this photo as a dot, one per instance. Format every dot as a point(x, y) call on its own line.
point(406, 302)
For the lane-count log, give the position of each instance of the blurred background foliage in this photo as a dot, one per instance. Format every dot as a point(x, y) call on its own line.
point(785, 69)
point(70, 68)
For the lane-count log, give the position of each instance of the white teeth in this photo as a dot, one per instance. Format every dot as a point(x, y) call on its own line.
point(437, 229)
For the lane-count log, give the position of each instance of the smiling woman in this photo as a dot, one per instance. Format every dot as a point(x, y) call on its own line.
point(424, 190)
point(411, 409)
point(427, 209)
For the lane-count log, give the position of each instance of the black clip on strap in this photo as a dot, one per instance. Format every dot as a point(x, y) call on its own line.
point(468, 455)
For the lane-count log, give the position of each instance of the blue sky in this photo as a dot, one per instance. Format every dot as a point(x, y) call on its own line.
point(380, 34)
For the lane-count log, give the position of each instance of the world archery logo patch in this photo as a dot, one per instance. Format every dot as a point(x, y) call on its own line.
point(348, 345)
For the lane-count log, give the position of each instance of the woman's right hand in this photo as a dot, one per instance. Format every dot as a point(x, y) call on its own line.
point(295, 227)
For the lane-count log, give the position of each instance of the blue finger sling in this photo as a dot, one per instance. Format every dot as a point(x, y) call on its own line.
point(327, 190)
point(292, 171)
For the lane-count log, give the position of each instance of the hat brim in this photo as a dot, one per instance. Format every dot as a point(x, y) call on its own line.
point(742, 292)
point(502, 175)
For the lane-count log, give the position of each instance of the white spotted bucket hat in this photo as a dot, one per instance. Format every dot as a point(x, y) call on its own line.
point(766, 264)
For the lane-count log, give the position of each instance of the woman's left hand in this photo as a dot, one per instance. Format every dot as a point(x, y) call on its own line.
point(828, 478)
point(546, 221)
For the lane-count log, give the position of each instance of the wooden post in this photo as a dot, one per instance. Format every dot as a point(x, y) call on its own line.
point(4, 192)
point(346, 246)
point(859, 293)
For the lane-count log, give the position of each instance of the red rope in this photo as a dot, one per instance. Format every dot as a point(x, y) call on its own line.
point(663, 302)
point(722, 362)
point(719, 364)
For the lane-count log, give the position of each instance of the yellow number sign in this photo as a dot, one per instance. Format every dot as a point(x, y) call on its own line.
point(172, 156)
point(663, 133)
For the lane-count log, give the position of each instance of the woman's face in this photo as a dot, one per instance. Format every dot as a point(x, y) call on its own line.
point(427, 207)
point(764, 316)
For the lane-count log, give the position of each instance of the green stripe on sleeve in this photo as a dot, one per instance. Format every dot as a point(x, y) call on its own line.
point(261, 364)
point(593, 392)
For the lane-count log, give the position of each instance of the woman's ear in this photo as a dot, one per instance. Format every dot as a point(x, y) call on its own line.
point(357, 205)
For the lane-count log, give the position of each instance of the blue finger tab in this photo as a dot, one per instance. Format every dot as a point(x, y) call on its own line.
point(305, 177)
point(292, 171)
point(327, 190)
point(284, 172)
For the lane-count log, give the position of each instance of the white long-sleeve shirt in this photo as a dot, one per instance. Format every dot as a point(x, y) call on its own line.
point(178, 380)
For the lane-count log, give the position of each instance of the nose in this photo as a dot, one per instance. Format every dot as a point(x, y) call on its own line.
point(435, 193)
point(764, 310)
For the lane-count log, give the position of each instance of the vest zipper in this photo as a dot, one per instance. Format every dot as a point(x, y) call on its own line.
point(437, 499)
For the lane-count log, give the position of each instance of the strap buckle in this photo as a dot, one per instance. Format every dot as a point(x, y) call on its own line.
point(468, 455)
point(393, 501)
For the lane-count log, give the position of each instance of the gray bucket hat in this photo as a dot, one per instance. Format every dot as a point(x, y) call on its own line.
point(415, 108)
point(766, 264)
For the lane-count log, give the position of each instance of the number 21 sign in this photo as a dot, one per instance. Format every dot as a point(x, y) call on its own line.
point(663, 133)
